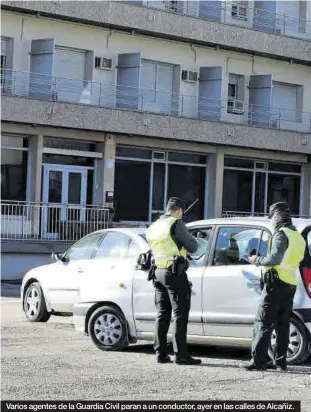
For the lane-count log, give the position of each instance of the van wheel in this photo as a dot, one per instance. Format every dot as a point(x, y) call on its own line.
point(107, 329)
point(298, 343)
point(34, 304)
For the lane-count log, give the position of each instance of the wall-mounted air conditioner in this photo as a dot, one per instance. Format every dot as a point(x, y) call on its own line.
point(189, 76)
point(239, 11)
point(54, 95)
point(103, 63)
point(235, 106)
point(171, 6)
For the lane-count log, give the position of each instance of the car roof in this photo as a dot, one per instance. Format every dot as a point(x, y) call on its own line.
point(300, 223)
point(128, 231)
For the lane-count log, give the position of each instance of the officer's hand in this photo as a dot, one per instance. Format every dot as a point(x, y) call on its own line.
point(252, 259)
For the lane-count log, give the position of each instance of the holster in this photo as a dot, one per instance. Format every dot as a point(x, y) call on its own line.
point(180, 265)
point(151, 273)
point(270, 278)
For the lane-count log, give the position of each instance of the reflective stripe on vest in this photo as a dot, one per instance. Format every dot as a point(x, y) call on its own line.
point(162, 244)
point(293, 255)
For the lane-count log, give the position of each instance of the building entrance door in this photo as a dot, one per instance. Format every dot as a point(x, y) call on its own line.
point(64, 199)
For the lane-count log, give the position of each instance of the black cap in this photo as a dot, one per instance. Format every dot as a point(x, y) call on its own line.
point(177, 202)
point(281, 207)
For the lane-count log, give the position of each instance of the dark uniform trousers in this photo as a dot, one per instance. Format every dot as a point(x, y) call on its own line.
point(172, 293)
point(274, 310)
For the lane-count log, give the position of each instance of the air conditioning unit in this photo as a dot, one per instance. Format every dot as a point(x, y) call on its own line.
point(235, 106)
point(189, 76)
point(54, 95)
point(171, 6)
point(103, 63)
point(239, 11)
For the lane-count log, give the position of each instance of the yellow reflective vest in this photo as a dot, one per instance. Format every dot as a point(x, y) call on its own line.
point(162, 244)
point(292, 257)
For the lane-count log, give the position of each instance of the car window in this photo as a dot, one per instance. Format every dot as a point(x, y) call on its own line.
point(133, 249)
point(309, 242)
point(84, 248)
point(204, 239)
point(114, 245)
point(235, 244)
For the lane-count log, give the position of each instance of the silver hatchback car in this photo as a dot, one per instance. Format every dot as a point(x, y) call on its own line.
point(98, 282)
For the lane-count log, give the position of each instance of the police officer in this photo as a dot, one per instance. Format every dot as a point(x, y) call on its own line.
point(285, 252)
point(169, 238)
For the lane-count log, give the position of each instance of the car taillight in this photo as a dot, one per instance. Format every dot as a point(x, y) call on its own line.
point(306, 276)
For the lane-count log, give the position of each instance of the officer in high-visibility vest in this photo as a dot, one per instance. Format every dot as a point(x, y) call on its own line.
point(170, 242)
point(286, 250)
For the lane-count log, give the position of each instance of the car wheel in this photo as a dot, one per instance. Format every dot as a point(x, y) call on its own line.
point(34, 304)
point(298, 343)
point(107, 329)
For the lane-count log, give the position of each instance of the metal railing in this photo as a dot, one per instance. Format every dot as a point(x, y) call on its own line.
point(229, 214)
point(39, 86)
point(239, 14)
point(50, 222)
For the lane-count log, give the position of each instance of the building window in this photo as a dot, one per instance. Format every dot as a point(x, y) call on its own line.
point(157, 87)
point(287, 100)
point(132, 185)
point(237, 190)
point(236, 88)
point(252, 186)
point(14, 168)
point(146, 179)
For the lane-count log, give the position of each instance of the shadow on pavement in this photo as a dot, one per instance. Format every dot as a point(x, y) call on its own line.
point(213, 352)
point(197, 351)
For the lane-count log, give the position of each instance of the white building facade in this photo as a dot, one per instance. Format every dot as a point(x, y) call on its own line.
point(125, 104)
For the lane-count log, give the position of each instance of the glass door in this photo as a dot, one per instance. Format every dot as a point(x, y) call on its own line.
point(64, 199)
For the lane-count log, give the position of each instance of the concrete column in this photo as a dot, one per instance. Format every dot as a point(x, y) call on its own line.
point(35, 151)
point(104, 180)
point(305, 201)
point(211, 186)
point(219, 181)
point(215, 170)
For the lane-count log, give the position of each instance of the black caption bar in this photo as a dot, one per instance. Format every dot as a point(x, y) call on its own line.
point(122, 406)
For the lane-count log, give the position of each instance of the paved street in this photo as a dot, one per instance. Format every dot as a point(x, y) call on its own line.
point(52, 361)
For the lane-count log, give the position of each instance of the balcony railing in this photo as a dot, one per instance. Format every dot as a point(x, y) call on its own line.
point(39, 86)
point(239, 14)
point(50, 222)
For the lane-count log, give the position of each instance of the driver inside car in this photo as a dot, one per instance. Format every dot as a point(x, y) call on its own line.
point(229, 255)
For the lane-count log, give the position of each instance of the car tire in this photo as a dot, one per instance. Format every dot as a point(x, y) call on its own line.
point(108, 329)
point(34, 304)
point(298, 343)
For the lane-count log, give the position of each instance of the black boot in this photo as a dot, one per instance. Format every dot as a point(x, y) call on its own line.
point(163, 359)
point(187, 361)
point(252, 366)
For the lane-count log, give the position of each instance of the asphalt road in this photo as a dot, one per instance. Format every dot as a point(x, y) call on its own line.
point(53, 362)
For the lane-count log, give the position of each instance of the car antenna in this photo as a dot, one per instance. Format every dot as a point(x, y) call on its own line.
point(191, 206)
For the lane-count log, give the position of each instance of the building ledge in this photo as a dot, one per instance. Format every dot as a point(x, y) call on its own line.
point(157, 23)
point(32, 111)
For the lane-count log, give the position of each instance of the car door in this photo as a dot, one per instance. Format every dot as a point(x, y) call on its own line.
point(63, 285)
point(231, 286)
point(144, 295)
point(110, 271)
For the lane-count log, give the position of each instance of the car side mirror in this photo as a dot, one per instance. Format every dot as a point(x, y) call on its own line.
point(59, 257)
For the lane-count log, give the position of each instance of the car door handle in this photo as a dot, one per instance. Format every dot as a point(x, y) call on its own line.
point(80, 270)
